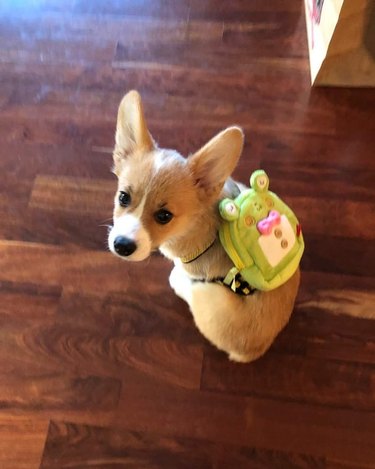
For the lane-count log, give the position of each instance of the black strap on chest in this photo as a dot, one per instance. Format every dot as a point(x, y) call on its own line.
point(239, 285)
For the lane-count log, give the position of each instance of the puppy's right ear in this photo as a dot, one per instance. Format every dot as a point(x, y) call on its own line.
point(131, 130)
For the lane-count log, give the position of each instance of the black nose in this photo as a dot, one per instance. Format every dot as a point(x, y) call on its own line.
point(124, 246)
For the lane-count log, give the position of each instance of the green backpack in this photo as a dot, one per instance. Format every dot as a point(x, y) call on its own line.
point(261, 235)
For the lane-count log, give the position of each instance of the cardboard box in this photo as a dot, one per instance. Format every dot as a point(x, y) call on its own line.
point(341, 38)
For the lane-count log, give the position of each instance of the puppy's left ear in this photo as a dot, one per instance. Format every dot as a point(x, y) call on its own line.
point(215, 162)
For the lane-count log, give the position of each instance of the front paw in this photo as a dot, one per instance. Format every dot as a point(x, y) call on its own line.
point(180, 283)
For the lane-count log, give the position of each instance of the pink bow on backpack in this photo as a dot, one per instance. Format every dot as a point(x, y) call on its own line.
point(265, 226)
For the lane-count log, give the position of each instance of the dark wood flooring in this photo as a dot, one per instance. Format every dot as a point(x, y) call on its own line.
point(100, 364)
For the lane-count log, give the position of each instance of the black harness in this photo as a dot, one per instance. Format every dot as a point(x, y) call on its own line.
point(239, 285)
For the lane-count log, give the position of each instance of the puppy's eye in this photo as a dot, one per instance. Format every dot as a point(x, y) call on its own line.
point(124, 199)
point(163, 216)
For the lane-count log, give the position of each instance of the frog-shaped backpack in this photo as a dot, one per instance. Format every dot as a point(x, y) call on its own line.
point(261, 235)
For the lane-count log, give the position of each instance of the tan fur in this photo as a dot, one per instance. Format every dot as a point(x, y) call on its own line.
point(244, 327)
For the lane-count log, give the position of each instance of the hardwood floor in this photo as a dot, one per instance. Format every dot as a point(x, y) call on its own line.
point(98, 372)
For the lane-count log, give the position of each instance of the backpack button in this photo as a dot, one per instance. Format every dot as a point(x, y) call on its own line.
point(249, 221)
point(284, 243)
point(278, 233)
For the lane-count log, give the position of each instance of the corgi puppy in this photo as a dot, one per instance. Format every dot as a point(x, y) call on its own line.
point(167, 202)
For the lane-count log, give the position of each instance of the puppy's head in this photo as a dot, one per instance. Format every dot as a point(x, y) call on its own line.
point(160, 193)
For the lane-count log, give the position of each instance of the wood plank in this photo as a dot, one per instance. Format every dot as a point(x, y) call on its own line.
point(166, 9)
point(56, 391)
point(77, 269)
point(57, 130)
point(69, 444)
point(240, 10)
point(52, 40)
point(21, 162)
point(346, 256)
point(22, 441)
point(14, 190)
point(148, 80)
point(270, 424)
point(313, 282)
point(62, 52)
point(161, 315)
point(337, 217)
point(349, 342)
point(186, 54)
point(115, 356)
point(335, 154)
point(27, 300)
point(294, 378)
point(55, 28)
point(87, 196)
point(340, 184)
point(350, 302)
point(87, 338)
point(339, 464)
point(97, 131)
point(79, 119)
point(53, 226)
point(16, 7)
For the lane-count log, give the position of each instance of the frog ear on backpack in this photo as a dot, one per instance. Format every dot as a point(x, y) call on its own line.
point(259, 181)
point(229, 210)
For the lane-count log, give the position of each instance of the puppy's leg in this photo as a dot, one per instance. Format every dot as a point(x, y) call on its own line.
point(181, 283)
